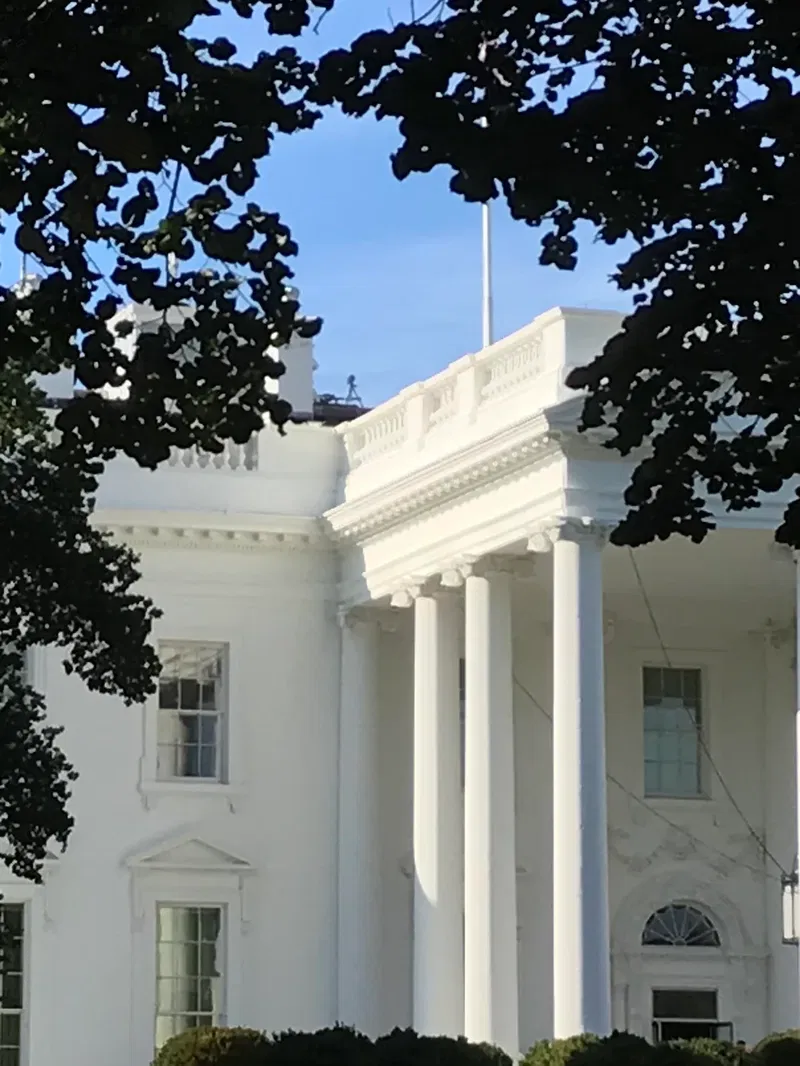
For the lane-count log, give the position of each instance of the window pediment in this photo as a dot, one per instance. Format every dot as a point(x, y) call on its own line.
point(187, 852)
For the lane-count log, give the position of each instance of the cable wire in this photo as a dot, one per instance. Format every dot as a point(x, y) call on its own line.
point(760, 870)
point(697, 727)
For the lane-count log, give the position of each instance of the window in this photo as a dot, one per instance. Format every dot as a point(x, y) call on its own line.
point(686, 1014)
point(12, 938)
point(680, 926)
point(673, 722)
point(188, 969)
point(191, 712)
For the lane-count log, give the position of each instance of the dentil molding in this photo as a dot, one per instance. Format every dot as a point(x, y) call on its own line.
point(482, 463)
point(212, 538)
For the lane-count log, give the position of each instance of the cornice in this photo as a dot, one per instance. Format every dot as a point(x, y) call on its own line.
point(521, 446)
point(213, 531)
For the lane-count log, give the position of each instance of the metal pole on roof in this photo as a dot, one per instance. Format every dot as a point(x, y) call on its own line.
point(487, 297)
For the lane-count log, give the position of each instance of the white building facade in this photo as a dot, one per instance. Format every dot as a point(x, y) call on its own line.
point(427, 750)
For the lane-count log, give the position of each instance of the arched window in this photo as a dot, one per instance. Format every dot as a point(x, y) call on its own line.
point(680, 925)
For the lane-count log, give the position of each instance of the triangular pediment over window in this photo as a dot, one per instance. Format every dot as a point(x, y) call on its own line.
point(187, 852)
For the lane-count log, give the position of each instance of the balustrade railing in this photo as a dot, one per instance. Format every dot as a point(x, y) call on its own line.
point(232, 457)
point(463, 391)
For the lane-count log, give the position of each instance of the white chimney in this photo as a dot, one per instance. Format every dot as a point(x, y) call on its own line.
point(297, 384)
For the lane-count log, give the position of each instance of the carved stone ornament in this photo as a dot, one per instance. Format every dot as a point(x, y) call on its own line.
point(520, 566)
point(578, 530)
point(349, 617)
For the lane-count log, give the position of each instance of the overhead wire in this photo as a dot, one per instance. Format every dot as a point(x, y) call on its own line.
point(687, 833)
point(697, 726)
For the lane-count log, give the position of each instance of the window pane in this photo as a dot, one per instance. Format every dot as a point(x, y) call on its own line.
point(11, 918)
point(189, 694)
point(191, 706)
point(9, 1030)
point(210, 921)
point(168, 694)
point(11, 992)
point(684, 1003)
point(188, 989)
point(671, 719)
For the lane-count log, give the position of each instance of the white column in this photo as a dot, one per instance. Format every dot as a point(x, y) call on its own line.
point(438, 865)
point(797, 738)
point(581, 936)
point(490, 890)
point(359, 837)
point(781, 787)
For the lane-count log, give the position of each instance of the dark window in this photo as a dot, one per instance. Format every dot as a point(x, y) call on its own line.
point(680, 926)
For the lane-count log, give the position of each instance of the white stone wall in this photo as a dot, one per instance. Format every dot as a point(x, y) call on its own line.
point(750, 714)
point(240, 549)
point(91, 990)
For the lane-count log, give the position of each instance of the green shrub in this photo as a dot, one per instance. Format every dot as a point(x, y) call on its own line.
point(404, 1047)
point(215, 1047)
point(338, 1046)
point(619, 1049)
point(560, 1052)
point(706, 1052)
point(779, 1049)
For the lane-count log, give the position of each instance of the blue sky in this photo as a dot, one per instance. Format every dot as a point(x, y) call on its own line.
point(392, 267)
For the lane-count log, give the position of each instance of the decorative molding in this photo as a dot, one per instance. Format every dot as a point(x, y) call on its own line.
point(521, 566)
point(186, 853)
point(520, 447)
point(213, 531)
point(677, 887)
point(405, 597)
point(779, 636)
point(580, 530)
point(363, 615)
point(781, 553)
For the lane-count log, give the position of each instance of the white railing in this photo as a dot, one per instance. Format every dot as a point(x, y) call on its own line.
point(232, 457)
point(463, 391)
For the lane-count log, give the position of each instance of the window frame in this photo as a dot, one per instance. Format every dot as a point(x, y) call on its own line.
point(221, 1018)
point(10, 899)
point(189, 888)
point(36, 996)
point(706, 672)
point(221, 714)
point(151, 788)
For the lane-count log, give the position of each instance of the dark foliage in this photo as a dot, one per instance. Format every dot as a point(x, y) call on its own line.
point(342, 1046)
point(215, 1047)
point(779, 1049)
point(672, 126)
point(124, 127)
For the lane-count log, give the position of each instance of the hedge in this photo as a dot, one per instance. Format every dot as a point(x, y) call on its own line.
point(340, 1046)
point(215, 1047)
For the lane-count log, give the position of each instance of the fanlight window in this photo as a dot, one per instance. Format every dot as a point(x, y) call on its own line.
point(680, 926)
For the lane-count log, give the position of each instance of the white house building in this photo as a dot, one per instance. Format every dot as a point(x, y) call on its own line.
point(427, 750)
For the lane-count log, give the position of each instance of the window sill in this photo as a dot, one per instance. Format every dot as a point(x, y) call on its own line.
point(680, 803)
point(152, 791)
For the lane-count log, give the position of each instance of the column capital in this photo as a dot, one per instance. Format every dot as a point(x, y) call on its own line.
point(783, 553)
point(405, 596)
point(577, 530)
point(521, 566)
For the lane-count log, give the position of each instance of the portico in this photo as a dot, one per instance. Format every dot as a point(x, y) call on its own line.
point(464, 843)
point(583, 774)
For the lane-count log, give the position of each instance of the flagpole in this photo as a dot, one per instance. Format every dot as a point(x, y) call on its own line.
point(487, 296)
